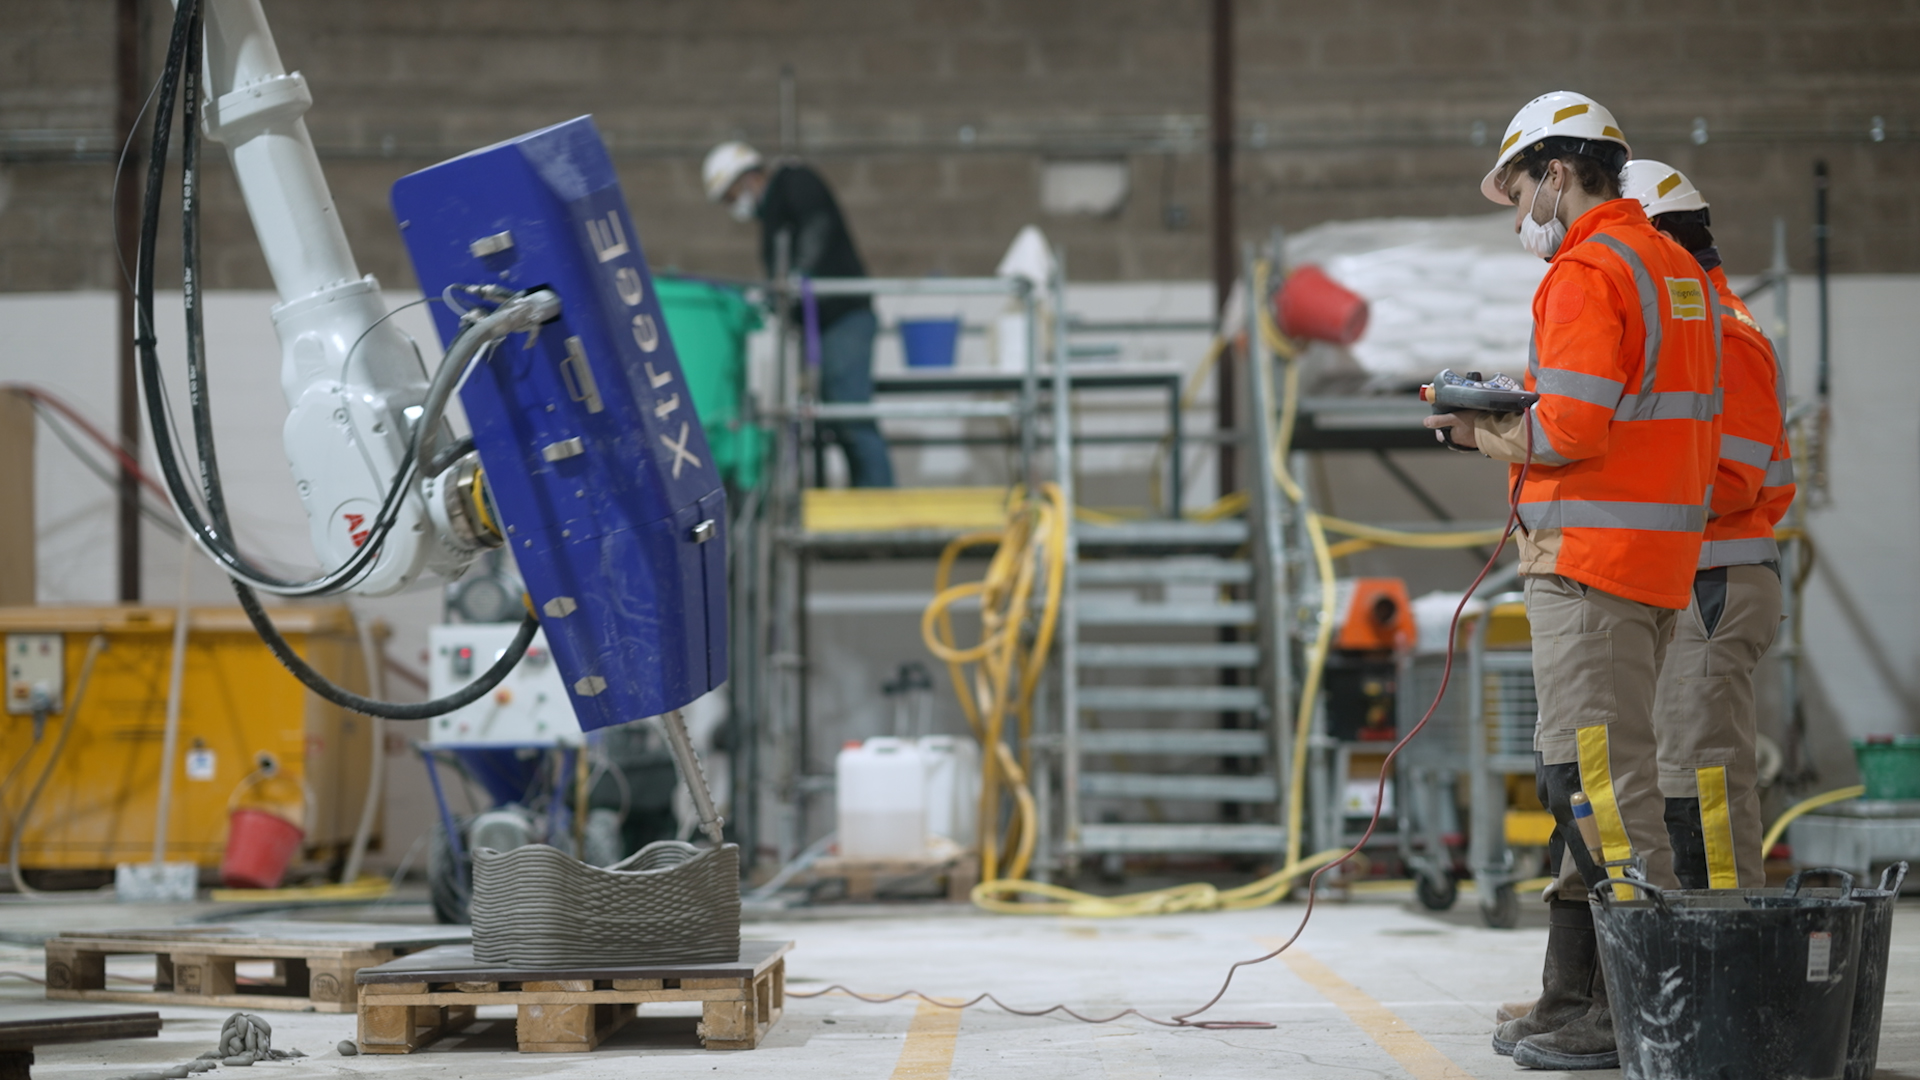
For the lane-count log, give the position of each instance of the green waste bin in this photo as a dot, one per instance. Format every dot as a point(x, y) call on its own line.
point(709, 325)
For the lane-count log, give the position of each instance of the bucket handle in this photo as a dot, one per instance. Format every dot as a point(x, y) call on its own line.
point(1846, 880)
point(1606, 888)
point(1893, 877)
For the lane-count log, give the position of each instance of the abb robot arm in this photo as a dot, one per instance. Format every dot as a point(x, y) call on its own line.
point(587, 460)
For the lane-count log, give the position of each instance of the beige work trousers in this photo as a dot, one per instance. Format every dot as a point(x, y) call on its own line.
point(1596, 663)
point(1704, 717)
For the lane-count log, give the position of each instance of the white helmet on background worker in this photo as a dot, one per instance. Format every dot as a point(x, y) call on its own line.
point(1659, 188)
point(1561, 114)
point(726, 163)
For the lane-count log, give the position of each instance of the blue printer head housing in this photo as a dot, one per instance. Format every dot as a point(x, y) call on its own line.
point(599, 469)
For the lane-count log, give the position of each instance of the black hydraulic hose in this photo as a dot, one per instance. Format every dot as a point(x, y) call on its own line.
point(390, 710)
point(198, 389)
point(215, 539)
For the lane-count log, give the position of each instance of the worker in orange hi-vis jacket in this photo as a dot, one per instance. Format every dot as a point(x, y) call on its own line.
point(1619, 453)
point(1704, 712)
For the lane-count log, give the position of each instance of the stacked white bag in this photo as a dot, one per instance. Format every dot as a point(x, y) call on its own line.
point(1443, 292)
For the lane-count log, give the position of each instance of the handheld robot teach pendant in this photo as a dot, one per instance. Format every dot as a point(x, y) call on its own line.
point(1450, 393)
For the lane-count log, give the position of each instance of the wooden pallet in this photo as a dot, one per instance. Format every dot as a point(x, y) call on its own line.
point(407, 1004)
point(865, 876)
point(314, 963)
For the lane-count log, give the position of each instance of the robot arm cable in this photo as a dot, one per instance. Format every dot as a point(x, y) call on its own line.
point(212, 532)
point(390, 710)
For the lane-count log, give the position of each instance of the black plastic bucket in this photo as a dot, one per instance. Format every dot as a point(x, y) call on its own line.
point(1729, 987)
point(1876, 939)
point(1870, 995)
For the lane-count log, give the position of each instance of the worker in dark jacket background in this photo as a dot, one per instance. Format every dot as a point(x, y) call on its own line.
point(792, 199)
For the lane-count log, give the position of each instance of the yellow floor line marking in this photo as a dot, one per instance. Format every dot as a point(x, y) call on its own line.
point(1414, 1053)
point(928, 1054)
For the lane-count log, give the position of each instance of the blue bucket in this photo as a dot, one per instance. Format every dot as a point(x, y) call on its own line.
point(929, 342)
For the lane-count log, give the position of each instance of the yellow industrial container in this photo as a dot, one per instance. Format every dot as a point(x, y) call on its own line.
point(237, 704)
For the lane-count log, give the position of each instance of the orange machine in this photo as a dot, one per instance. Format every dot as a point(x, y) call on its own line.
point(238, 703)
point(1376, 624)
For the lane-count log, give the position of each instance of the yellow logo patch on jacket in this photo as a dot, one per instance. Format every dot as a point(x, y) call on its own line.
point(1686, 299)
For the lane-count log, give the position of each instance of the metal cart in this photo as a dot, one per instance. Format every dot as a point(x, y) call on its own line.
point(1496, 686)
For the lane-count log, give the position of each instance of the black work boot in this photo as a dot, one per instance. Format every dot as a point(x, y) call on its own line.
point(1567, 980)
point(1587, 1043)
point(1689, 841)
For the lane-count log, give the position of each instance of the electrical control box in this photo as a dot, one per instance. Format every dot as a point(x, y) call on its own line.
point(597, 465)
point(34, 671)
point(528, 708)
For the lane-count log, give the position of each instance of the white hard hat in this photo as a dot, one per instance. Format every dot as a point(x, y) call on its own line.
point(1660, 188)
point(726, 163)
point(1562, 114)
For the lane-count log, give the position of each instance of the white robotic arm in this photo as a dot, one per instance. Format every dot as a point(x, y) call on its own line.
point(354, 383)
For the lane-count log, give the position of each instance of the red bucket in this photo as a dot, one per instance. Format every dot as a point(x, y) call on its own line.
point(1314, 307)
point(259, 847)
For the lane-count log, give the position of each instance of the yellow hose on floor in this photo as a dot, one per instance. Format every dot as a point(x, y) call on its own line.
point(1779, 828)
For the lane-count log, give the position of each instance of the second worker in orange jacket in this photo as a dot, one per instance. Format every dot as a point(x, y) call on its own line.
point(1704, 712)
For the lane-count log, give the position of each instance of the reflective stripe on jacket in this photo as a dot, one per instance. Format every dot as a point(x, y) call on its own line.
point(1625, 436)
point(1753, 485)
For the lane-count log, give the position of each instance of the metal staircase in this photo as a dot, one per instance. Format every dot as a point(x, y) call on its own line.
point(1174, 732)
point(1169, 745)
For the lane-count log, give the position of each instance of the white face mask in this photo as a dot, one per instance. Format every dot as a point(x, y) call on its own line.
point(1540, 239)
point(744, 207)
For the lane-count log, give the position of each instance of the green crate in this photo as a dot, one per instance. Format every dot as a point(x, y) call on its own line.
point(1889, 766)
point(709, 325)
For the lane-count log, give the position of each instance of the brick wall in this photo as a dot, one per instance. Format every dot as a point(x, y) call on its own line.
point(932, 118)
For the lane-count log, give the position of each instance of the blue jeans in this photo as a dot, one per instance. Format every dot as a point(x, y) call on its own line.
point(846, 375)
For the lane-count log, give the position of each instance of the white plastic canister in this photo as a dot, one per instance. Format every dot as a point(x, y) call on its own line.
point(881, 789)
point(953, 786)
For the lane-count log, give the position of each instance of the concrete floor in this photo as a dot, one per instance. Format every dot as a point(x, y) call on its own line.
point(1377, 987)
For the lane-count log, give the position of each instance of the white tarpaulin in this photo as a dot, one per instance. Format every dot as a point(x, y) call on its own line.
point(1443, 292)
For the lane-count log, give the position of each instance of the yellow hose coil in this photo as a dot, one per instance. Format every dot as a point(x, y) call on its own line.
point(996, 677)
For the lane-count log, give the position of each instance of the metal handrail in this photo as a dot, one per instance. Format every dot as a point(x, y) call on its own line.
point(1272, 585)
point(933, 286)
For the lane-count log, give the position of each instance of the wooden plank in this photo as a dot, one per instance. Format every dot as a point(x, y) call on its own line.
point(726, 1021)
point(713, 984)
point(198, 974)
point(477, 987)
point(25, 1026)
point(962, 876)
point(255, 1002)
point(639, 984)
point(283, 932)
point(383, 1026)
point(594, 1022)
point(597, 997)
point(242, 950)
point(70, 969)
point(455, 963)
point(331, 981)
point(396, 988)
